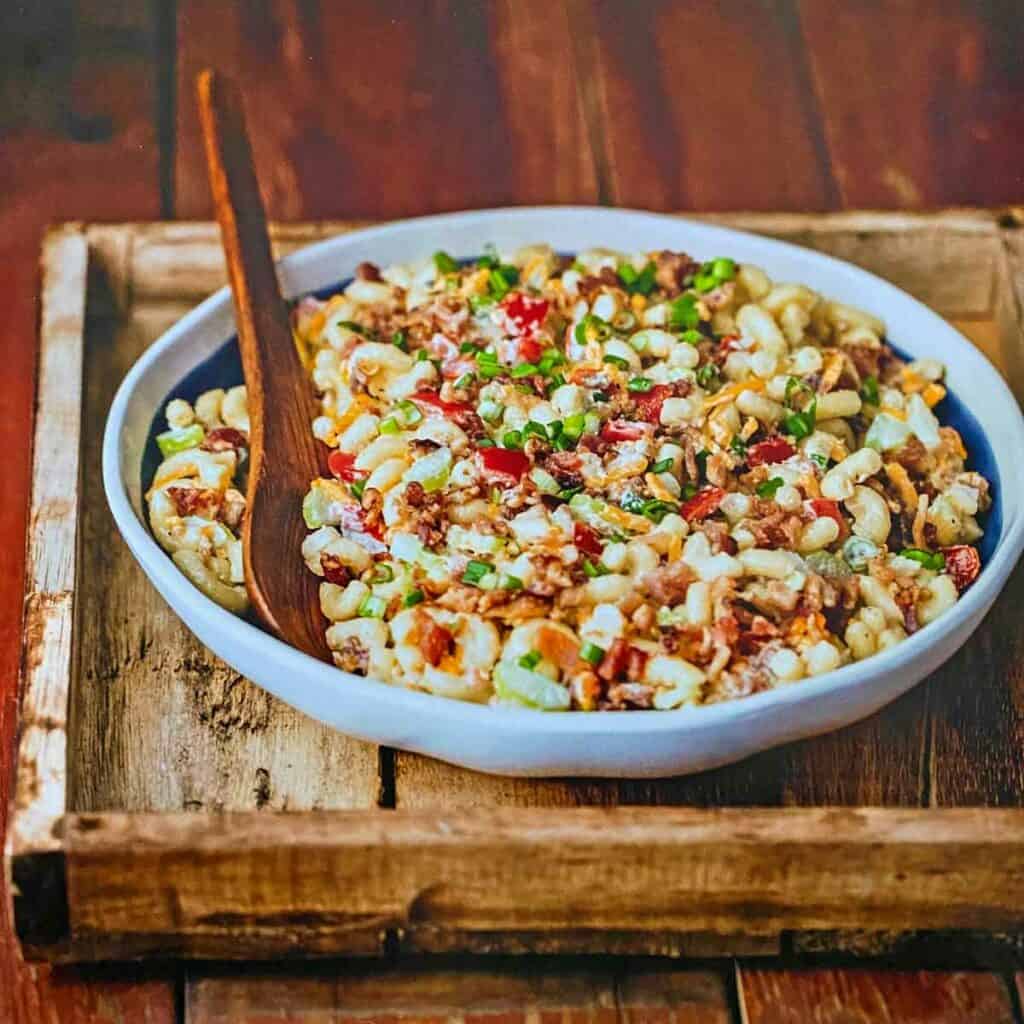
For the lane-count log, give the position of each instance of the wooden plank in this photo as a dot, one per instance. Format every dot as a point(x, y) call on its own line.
point(50, 101)
point(495, 121)
point(228, 744)
point(266, 884)
point(703, 106)
point(938, 121)
point(872, 997)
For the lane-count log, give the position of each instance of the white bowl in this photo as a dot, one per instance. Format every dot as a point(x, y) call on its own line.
point(638, 744)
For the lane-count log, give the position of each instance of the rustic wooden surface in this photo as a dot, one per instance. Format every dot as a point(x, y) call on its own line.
point(750, 107)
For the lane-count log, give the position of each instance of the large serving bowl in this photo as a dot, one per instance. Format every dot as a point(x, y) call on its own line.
point(195, 354)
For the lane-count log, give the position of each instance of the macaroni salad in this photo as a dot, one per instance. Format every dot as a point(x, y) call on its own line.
point(603, 482)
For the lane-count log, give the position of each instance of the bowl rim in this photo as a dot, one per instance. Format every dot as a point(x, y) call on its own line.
point(293, 663)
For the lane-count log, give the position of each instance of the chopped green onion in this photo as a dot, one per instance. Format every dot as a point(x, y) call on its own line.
point(414, 597)
point(444, 263)
point(357, 487)
point(704, 282)
point(707, 377)
point(180, 439)
point(555, 428)
point(691, 337)
point(399, 340)
point(544, 481)
point(723, 268)
point(373, 607)
point(637, 282)
point(382, 573)
point(408, 413)
point(478, 302)
point(641, 384)
point(592, 328)
point(664, 466)
point(501, 279)
point(801, 424)
point(683, 313)
point(820, 460)
point(466, 347)
point(487, 364)
point(738, 446)
point(568, 493)
point(592, 653)
point(523, 370)
point(574, 425)
point(934, 560)
point(512, 439)
point(549, 359)
point(594, 569)
point(389, 426)
point(534, 429)
point(530, 660)
point(768, 488)
point(688, 491)
point(794, 385)
point(869, 390)
point(622, 364)
point(555, 383)
point(656, 509)
point(464, 381)
point(476, 571)
point(485, 442)
point(509, 582)
point(421, 355)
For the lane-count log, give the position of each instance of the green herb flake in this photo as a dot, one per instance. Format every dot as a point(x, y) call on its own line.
point(768, 488)
point(444, 263)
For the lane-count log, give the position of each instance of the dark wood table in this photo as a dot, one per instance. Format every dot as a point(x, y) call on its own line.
point(385, 109)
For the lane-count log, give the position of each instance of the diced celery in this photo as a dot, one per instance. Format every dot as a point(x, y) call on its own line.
point(180, 439)
point(322, 503)
point(512, 682)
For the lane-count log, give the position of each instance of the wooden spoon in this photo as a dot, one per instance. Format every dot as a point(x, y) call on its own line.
point(283, 454)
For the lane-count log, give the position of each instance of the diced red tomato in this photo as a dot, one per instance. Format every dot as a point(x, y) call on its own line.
point(963, 563)
point(824, 507)
point(648, 404)
point(587, 540)
point(769, 451)
point(702, 504)
point(505, 462)
point(435, 403)
point(556, 647)
point(342, 465)
point(354, 525)
point(622, 430)
point(526, 312)
point(434, 641)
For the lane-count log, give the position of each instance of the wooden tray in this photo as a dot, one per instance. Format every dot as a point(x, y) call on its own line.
point(166, 806)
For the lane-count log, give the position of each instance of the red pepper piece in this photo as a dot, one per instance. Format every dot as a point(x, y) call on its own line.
point(702, 504)
point(507, 462)
point(526, 312)
point(434, 401)
point(769, 451)
point(963, 563)
point(649, 403)
point(587, 540)
point(622, 430)
point(342, 465)
point(824, 507)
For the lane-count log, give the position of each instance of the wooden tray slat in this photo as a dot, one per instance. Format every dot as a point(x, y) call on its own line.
point(158, 726)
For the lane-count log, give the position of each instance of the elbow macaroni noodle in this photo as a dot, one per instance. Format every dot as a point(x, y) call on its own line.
point(615, 482)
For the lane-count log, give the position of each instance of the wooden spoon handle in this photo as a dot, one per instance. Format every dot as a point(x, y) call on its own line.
point(283, 454)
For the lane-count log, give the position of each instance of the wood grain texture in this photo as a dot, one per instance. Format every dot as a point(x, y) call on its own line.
point(58, 84)
point(697, 112)
point(872, 997)
point(938, 118)
point(424, 107)
point(150, 693)
point(497, 992)
point(269, 884)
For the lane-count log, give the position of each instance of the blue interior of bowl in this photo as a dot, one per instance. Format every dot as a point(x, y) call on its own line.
point(223, 369)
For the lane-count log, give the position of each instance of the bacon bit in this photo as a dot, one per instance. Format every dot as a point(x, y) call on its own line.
point(621, 659)
point(195, 501)
point(702, 504)
point(622, 430)
point(504, 462)
point(769, 451)
point(223, 439)
point(435, 642)
point(334, 571)
point(963, 563)
point(824, 507)
point(587, 540)
point(435, 403)
point(352, 521)
point(556, 647)
point(648, 404)
point(342, 465)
